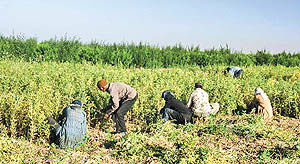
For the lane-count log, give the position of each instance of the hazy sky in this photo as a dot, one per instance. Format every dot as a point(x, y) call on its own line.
point(245, 25)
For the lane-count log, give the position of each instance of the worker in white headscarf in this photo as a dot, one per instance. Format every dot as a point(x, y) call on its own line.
point(263, 104)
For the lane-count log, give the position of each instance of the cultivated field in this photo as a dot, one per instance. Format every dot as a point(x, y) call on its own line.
point(31, 91)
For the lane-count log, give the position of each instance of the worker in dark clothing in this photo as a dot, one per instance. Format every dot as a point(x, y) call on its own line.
point(175, 110)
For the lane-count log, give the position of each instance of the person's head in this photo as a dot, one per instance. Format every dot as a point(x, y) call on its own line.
point(198, 85)
point(258, 91)
point(77, 102)
point(102, 85)
point(166, 95)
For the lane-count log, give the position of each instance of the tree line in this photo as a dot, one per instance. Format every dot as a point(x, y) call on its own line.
point(127, 55)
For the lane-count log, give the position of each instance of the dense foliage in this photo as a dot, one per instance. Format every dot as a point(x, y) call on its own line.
point(31, 91)
point(135, 55)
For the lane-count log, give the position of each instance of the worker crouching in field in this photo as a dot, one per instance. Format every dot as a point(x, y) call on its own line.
point(199, 104)
point(122, 97)
point(263, 104)
point(72, 130)
point(175, 110)
point(235, 72)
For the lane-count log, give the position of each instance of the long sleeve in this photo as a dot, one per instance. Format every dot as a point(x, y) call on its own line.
point(167, 105)
point(115, 102)
point(189, 104)
point(120, 92)
point(260, 101)
point(63, 115)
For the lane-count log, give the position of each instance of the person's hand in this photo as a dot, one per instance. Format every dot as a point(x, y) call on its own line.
point(51, 121)
point(106, 116)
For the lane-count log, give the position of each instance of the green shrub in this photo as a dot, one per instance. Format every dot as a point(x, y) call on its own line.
point(135, 55)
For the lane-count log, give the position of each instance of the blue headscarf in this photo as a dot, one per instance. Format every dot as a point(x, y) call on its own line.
point(77, 102)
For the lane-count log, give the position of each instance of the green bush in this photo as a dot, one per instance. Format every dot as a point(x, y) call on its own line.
point(135, 55)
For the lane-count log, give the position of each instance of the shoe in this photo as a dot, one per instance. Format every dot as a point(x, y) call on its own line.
point(121, 134)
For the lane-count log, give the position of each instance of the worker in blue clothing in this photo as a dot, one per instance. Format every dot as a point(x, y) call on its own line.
point(72, 128)
point(235, 72)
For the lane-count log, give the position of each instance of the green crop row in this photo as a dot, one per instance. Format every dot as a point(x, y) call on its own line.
point(134, 55)
point(220, 140)
point(32, 91)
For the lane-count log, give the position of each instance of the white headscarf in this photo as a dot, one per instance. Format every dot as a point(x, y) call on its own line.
point(261, 92)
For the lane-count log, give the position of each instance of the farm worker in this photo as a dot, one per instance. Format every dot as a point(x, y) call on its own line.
point(175, 110)
point(122, 97)
point(235, 72)
point(199, 104)
point(72, 130)
point(263, 104)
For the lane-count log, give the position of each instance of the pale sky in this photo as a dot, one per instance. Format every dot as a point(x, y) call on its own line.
point(245, 25)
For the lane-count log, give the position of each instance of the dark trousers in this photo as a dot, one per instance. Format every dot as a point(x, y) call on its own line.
point(239, 74)
point(170, 114)
point(118, 116)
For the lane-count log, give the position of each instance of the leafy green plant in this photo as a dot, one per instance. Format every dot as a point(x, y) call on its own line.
point(70, 49)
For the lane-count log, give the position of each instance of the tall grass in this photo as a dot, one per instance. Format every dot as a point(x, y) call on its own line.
point(134, 55)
